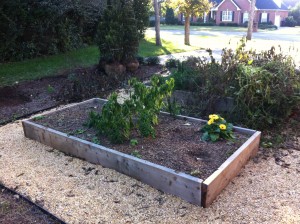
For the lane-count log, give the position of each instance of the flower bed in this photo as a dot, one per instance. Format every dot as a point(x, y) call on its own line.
point(190, 188)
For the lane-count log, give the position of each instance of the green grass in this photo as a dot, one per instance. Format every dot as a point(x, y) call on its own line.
point(170, 45)
point(203, 28)
point(11, 73)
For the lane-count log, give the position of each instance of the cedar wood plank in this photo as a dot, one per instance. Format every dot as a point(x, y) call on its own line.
point(167, 180)
point(215, 183)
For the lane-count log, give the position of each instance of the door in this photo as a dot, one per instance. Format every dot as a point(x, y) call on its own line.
point(277, 21)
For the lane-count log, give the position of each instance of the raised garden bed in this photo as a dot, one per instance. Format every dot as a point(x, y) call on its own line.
point(168, 175)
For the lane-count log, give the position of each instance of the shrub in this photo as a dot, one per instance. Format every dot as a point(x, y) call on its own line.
point(202, 24)
point(170, 18)
point(267, 26)
point(264, 86)
point(118, 36)
point(34, 28)
point(295, 13)
point(289, 21)
point(140, 111)
point(232, 24)
point(141, 14)
point(140, 59)
point(152, 60)
point(152, 23)
point(172, 63)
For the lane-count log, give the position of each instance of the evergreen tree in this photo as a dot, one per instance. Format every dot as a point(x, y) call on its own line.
point(170, 18)
point(120, 28)
point(141, 10)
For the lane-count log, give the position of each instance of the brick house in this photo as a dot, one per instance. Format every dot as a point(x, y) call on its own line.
point(237, 11)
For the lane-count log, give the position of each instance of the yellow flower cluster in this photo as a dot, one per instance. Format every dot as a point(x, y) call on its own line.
point(212, 118)
point(211, 121)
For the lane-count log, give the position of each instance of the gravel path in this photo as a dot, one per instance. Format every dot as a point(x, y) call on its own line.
point(80, 192)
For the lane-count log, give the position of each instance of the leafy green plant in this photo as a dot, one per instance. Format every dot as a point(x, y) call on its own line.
point(95, 140)
point(50, 89)
point(264, 86)
point(136, 154)
point(37, 118)
point(134, 142)
point(154, 60)
point(139, 112)
point(140, 59)
point(217, 128)
point(34, 28)
point(172, 63)
point(172, 107)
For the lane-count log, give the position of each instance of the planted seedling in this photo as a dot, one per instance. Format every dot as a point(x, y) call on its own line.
point(133, 142)
point(50, 89)
point(136, 154)
point(37, 118)
point(95, 140)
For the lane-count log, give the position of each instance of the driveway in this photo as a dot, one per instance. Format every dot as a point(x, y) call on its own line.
point(285, 39)
point(282, 34)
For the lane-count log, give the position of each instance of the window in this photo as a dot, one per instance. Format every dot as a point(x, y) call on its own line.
point(245, 17)
point(227, 16)
point(264, 17)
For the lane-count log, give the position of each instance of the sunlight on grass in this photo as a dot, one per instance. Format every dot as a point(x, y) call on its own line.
point(203, 28)
point(169, 46)
point(11, 73)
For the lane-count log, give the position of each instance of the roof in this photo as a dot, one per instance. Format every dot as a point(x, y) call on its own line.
point(269, 4)
point(218, 2)
point(260, 4)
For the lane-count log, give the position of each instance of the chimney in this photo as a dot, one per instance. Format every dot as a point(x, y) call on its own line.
point(278, 3)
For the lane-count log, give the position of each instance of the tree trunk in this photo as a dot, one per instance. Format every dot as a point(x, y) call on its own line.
point(157, 23)
point(187, 29)
point(251, 19)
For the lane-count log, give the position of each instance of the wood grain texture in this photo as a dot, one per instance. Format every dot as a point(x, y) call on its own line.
point(215, 183)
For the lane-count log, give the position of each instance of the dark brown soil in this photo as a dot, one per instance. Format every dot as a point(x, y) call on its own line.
point(177, 144)
point(33, 96)
point(15, 210)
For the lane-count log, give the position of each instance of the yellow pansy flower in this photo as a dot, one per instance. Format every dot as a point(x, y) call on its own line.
point(222, 126)
point(214, 116)
point(211, 121)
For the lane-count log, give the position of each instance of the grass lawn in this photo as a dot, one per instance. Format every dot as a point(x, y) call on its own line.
point(10, 73)
point(203, 28)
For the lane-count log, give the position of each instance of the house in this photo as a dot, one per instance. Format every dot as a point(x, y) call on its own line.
point(237, 11)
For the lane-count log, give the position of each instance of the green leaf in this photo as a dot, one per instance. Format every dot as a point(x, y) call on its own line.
point(205, 136)
point(214, 137)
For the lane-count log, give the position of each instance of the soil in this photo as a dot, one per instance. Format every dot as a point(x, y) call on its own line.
point(14, 209)
point(30, 97)
point(177, 144)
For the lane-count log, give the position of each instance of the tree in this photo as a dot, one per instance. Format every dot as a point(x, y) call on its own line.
point(170, 18)
point(295, 13)
point(251, 20)
point(157, 23)
point(118, 36)
point(30, 28)
point(189, 8)
point(141, 10)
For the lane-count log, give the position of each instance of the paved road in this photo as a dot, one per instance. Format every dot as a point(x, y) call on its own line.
point(282, 34)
